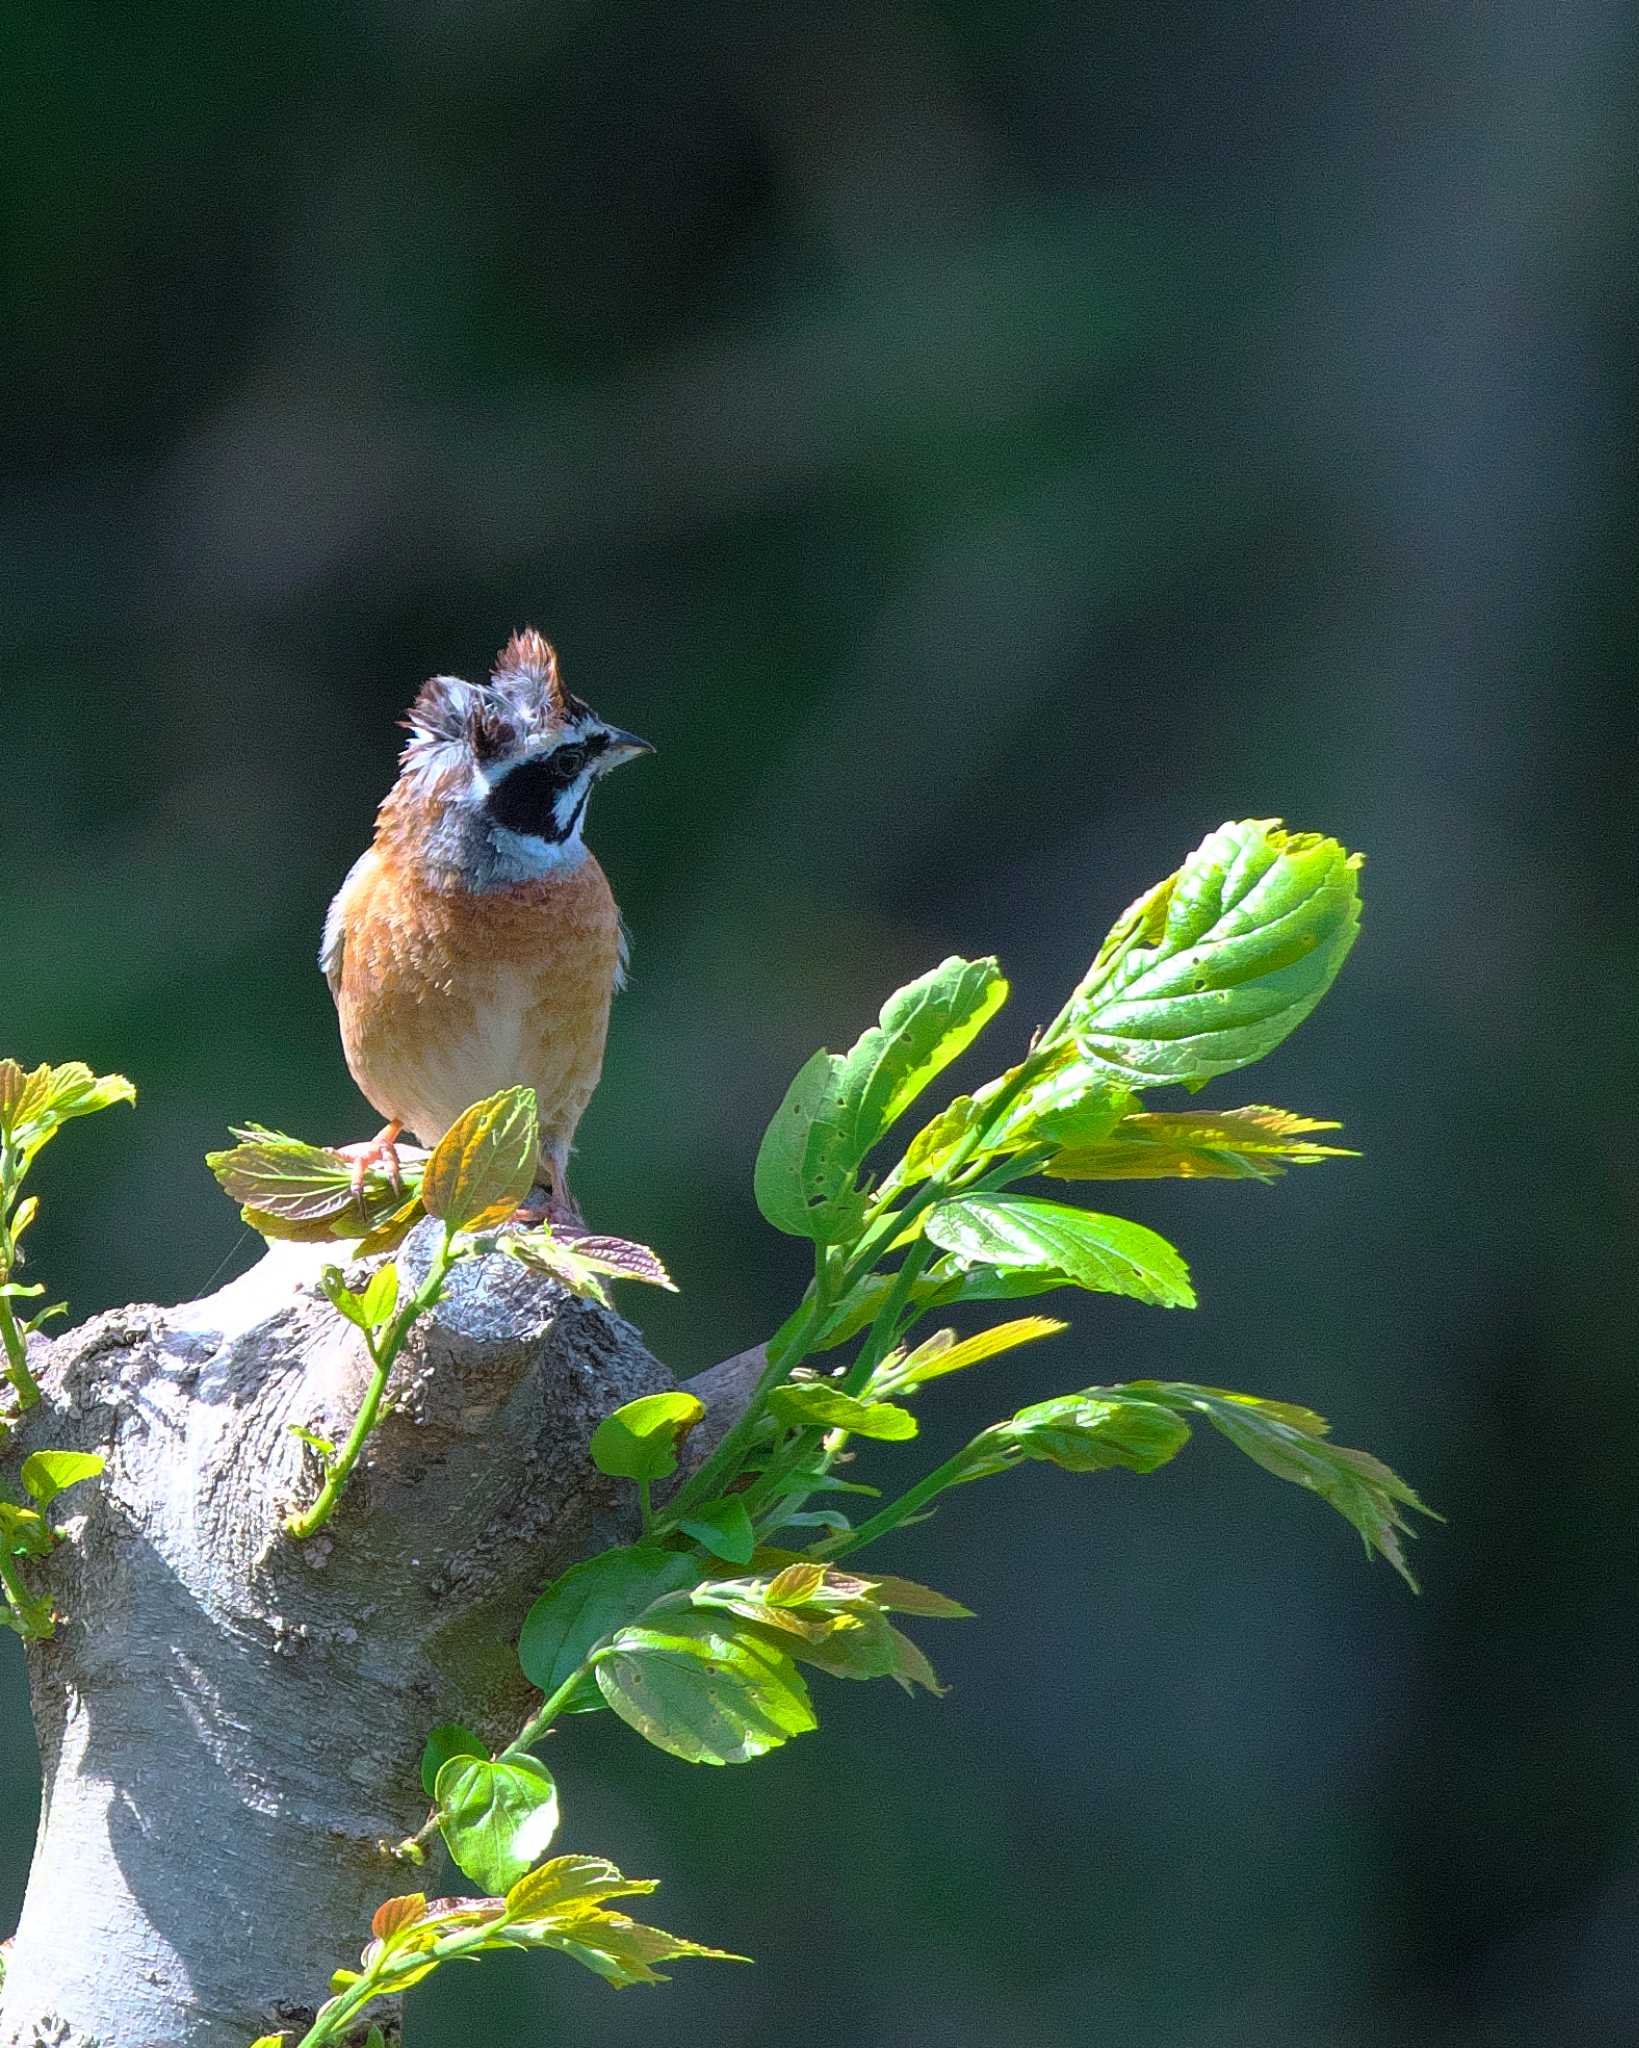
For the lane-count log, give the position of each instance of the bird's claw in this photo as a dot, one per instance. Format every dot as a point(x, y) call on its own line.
point(380, 1151)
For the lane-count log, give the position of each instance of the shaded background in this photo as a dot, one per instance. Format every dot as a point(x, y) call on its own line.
point(984, 446)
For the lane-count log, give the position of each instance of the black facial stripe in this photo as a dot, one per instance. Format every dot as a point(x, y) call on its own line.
point(524, 799)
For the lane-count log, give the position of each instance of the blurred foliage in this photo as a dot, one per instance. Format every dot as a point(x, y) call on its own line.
point(982, 446)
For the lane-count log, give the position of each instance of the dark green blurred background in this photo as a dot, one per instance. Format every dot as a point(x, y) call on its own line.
point(984, 446)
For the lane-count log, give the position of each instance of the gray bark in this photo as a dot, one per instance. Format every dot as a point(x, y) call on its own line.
point(230, 1724)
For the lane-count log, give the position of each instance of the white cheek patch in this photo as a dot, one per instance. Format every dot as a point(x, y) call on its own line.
point(521, 857)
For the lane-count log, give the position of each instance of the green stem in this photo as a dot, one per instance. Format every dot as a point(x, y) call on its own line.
point(897, 1512)
point(385, 1355)
point(533, 1730)
point(724, 1462)
point(11, 1336)
point(16, 1348)
point(34, 1616)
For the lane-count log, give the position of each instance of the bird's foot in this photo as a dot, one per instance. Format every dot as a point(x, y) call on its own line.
point(382, 1151)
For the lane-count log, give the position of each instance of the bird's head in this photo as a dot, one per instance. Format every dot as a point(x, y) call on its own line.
point(498, 775)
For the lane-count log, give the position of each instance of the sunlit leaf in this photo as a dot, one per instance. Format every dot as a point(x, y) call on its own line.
point(392, 1916)
point(641, 1440)
point(1291, 1443)
point(486, 1163)
point(1220, 963)
point(804, 1176)
point(569, 1883)
point(817, 1404)
point(283, 1178)
point(1093, 1431)
point(75, 1091)
point(922, 1028)
point(582, 1262)
point(1255, 1143)
point(341, 1297)
point(497, 1817)
point(381, 1296)
point(46, 1473)
point(1107, 1254)
point(944, 1352)
point(703, 1692)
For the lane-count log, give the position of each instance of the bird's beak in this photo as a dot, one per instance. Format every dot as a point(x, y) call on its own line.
point(623, 746)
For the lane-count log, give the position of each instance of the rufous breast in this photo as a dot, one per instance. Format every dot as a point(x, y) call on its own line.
point(447, 995)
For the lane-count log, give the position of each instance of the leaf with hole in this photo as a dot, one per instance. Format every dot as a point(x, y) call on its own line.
point(804, 1175)
point(923, 1027)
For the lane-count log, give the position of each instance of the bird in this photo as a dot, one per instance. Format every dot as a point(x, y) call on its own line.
point(476, 945)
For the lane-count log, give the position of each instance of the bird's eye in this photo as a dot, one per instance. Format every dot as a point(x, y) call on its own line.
point(569, 761)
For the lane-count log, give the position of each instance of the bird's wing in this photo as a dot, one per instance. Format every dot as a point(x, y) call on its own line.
point(335, 923)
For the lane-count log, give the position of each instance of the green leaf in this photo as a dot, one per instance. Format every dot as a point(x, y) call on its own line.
point(795, 1584)
point(568, 1884)
point(381, 1296)
point(817, 1404)
point(341, 1297)
point(448, 1739)
point(592, 1600)
point(47, 1473)
point(23, 1531)
point(1255, 1143)
point(702, 1692)
point(905, 1596)
point(804, 1176)
point(284, 1179)
point(497, 1817)
point(944, 1352)
point(581, 1263)
point(389, 1227)
point(486, 1163)
point(724, 1527)
point(75, 1091)
point(621, 1951)
point(862, 1644)
point(323, 1445)
point(394, 1918)
point(1106, 1254)
point(1290, 1442)
point(922, 1028)
point(1072, 1102)
point(641, 1439)
point(1215, 967)
point(1093, 1431)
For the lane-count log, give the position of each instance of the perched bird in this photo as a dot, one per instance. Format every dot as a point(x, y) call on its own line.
point(477, 946)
